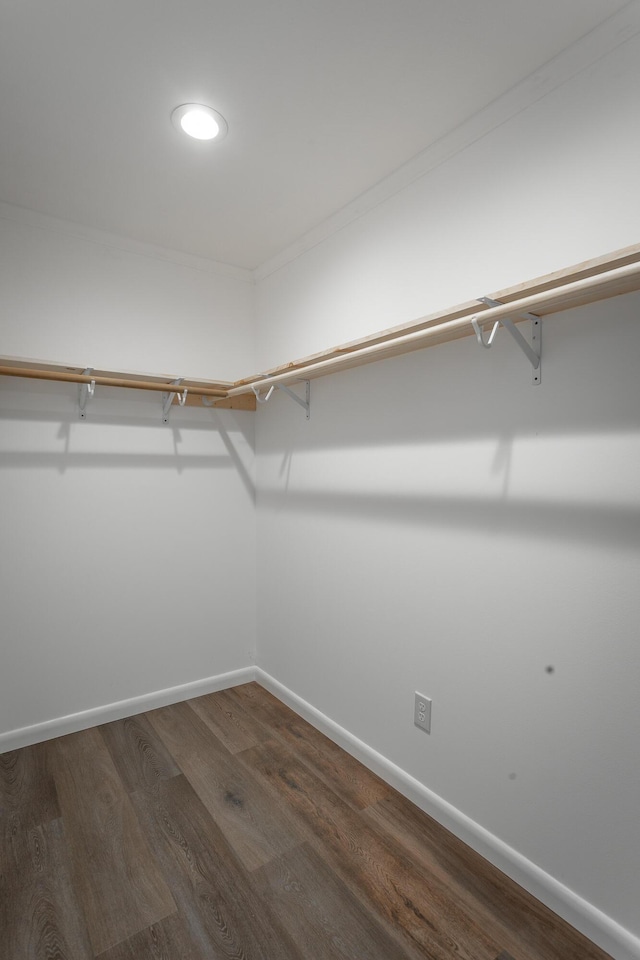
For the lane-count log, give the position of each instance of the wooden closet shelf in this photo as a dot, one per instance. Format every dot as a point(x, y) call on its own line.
point(215, 391)
point(600, 279)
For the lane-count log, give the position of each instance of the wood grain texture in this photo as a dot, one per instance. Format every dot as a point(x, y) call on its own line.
point(246, 402)
point(27, 786)
point(40, 917)
point(322, 915)
point(227, 828)
point(257, 827)
point(236, 728)
point(213, 892)
point(345, 775)
point(138, 753)
point(119, 885)
point(28, 800)
point(169, 939)
point(386, 880)
point(522, 924)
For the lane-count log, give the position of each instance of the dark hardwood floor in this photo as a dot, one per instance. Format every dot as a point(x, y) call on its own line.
point(227, 827)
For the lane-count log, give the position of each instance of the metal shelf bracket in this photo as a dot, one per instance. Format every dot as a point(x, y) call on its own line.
point(85, 390)
point(532, 350)
point(168, 398)
point(267, 396)
point(305, 404)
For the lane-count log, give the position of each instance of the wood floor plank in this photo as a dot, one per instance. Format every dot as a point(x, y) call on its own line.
point(121, 889)
point(235, 727)
point(387, 880)
point(345, 775)
point(227, 828)
point(256, 826)
point(212, 890)
point(27, 786)
point(169, 939)
point(522, 925)
point(260, 703)
point(322, 915)
point(138, 753)
point(40, 917)
point(28, 799)
point(454, 873)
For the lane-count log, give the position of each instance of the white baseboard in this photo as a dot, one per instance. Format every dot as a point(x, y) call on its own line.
point(583, 916)
point(25, 736)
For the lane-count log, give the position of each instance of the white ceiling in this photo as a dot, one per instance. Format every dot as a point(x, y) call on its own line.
point(323, 98)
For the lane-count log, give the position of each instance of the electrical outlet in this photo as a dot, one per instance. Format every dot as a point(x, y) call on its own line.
point(422, 712)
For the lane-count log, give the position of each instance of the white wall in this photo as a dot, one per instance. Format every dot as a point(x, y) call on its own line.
point(123, 568)
point(441, 525)
point(82, 297)
point(438, 524)
point(551, 187)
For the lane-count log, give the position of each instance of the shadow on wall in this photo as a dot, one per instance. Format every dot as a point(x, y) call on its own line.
point(588, 524)
point(346, 413)
point(64, 458)
point(457, 392)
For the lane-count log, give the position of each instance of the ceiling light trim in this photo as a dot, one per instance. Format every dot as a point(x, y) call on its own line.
point(200, 122)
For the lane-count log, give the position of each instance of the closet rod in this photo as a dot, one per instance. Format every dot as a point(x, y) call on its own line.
point(36, 374)
point(598, 285)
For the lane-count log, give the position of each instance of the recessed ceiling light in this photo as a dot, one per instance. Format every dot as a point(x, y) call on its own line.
point(199, 121)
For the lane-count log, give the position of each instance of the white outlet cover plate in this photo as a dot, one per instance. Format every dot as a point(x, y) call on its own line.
point(422, 712)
